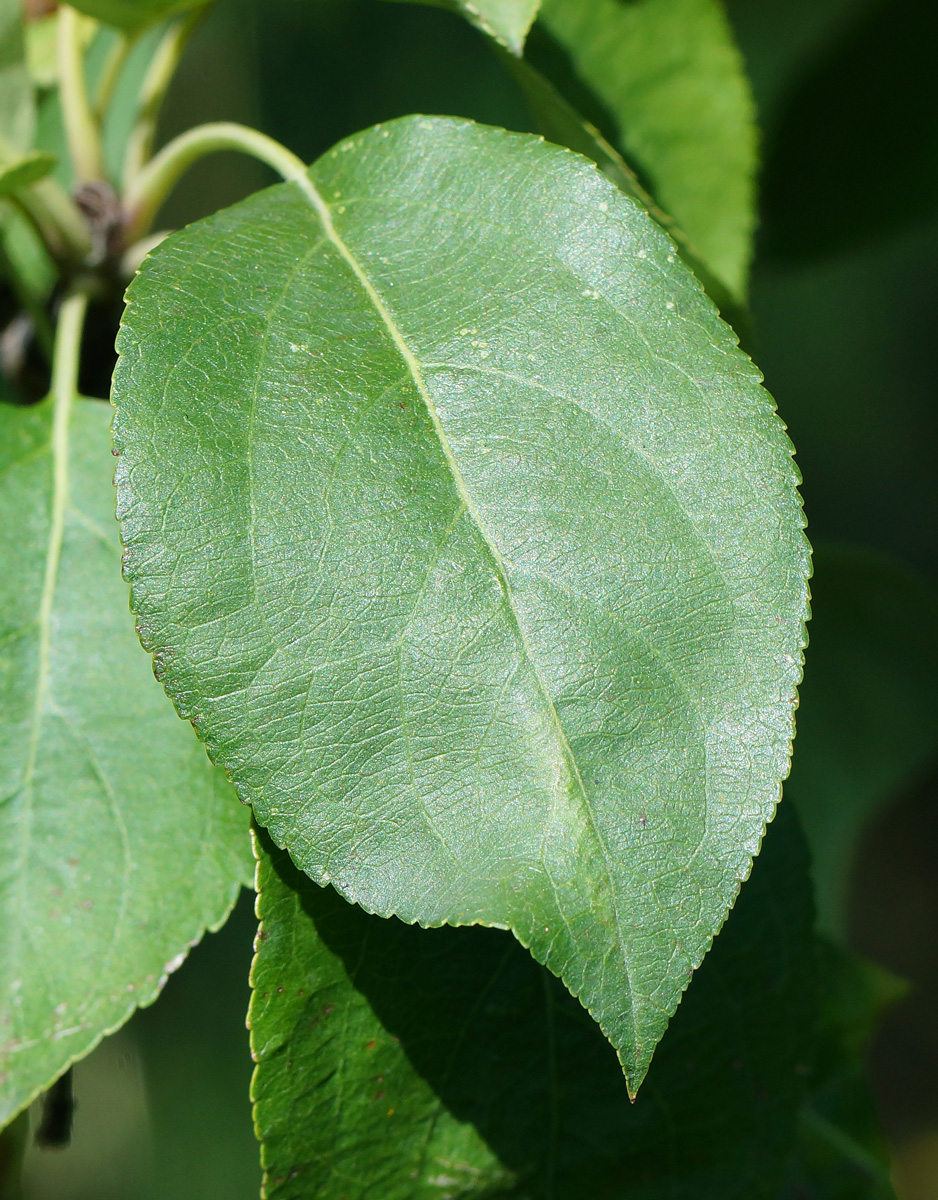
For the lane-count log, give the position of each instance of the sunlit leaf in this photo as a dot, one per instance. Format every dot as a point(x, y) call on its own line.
point(664, 81)
point(121, 842)
point(470, 544)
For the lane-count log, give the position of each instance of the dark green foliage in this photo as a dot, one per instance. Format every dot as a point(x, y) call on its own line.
point(418, 1063)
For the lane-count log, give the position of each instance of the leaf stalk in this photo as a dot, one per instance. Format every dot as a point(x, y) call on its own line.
point(153, 93)
point(154, 183)
point(82, 131)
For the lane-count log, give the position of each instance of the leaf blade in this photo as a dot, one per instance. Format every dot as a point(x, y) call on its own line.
point(507, 21)
point(135, 14)
point(17, 102)
point(672, 84)
point(396, 1059)
point(88, 928)
point(460, 603)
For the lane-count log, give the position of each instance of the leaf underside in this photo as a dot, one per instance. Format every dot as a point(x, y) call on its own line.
point(470, 544)
point(409, 1064)
point(121, 843)
point(670, 90)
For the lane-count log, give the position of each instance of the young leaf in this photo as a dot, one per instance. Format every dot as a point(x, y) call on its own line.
point(507, 21)
point(23, 171)
point(121, 843)
point(134, 14)
point(17, 104)
point(469, 542)
point(402, 1063)
point(669, 86)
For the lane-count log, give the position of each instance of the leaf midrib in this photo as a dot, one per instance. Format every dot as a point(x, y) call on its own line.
point(324, 214)
point(58, 443)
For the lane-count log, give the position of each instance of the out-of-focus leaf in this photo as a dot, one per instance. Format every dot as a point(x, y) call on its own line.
point(41, 38)
point(839, 1152)
point(408, 1063)
point(507, 21)
point(470, 544)
point(856, 153)
point(25, 252)
point(17, 104)
point(664, 81)
point(868, 717)
point(22, 172)
point(121, 842)
point(134, 14)
point(560, 122)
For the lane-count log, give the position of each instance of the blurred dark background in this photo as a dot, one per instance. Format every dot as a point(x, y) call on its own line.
point(845, 313)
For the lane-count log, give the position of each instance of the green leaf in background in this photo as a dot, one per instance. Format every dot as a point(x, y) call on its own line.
point(508, 21)
point(22, 172)
point(134, 14)
point(121, 842)
point(868, 718)
point(470, 544)
point(664, 81)
point(560, 122)
point(409, 1064)
point(839, 1152)
point(17, 104)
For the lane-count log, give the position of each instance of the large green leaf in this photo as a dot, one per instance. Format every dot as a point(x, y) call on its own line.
point(406, 1064)
point(470, 544)
point(134, 14)
point(665, 81)
point(508, 21)
point(120, 842)
point(868, 719)
point(17, 105)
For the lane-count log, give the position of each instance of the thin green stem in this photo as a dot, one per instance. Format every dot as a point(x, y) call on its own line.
point(82, 130)
point(111, 73)
point(152, 94)
point(154, 183)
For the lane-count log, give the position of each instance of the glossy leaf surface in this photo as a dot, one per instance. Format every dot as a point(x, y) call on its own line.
point(121, 842)
point(560, 122)
point(664, 80)
point(409, 1064)
point(17, 105)
point(470, 544)
point(508, 21)
point(134, 14)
